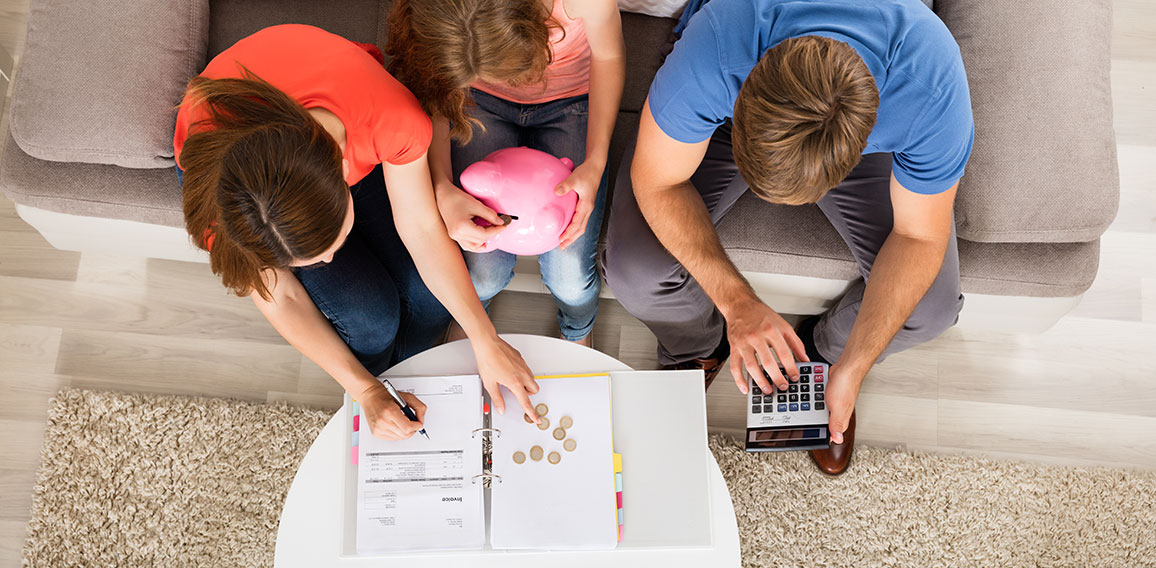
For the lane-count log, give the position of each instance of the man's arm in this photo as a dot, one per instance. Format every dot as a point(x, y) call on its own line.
point(904, 269)
point(676, 213)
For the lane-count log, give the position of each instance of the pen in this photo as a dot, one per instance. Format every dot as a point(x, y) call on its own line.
point(405, 409)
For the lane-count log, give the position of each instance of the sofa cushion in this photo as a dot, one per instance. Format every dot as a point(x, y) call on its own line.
point(232, 20)
point(780, 239)
point(100, 79)
point(1043, 168)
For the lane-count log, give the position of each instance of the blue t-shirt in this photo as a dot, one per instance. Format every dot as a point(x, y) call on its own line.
point(924, 116)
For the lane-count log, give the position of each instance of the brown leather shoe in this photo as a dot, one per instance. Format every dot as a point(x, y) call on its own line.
point(710, 365)
point(833, 461)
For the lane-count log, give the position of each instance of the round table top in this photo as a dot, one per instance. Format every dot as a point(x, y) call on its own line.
point(310, 533)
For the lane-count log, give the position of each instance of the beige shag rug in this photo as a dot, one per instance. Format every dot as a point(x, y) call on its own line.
point(140, 480)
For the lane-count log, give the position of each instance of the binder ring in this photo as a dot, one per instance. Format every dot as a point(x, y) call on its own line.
point(492, 477)
point(492, 431)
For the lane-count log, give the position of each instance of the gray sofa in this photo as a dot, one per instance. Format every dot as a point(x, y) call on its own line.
point(88, 158)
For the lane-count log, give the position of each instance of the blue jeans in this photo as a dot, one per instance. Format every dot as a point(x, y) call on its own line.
point(557, 128)
point(371, 292)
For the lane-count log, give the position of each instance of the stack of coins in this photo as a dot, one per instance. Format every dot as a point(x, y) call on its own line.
point(560, 433)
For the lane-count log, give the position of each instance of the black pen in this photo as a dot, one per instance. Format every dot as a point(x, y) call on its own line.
point(405, 408)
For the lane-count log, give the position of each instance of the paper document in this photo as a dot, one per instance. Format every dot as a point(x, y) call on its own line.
point(419, 494)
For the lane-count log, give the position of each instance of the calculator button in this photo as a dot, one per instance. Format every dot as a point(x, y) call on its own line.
point(794, 398)
point(794, 408)
point(819, 406)
point(805, 369)
point(818, 369)
point(782, 398)
point(782, 408)
point(768, 408)
point(818, 388)
point(756, 399)
point(818, 378)
point(805, 397)
point(805, 406)
point(756, 409)
point(794, 388)
point(804, 379)
point(805, 388)
point(755, 389)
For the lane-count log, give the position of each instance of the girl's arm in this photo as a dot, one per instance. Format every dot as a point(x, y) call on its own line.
point(295, 316)
point(439, 261)
point(457, 207)
point(607, 75)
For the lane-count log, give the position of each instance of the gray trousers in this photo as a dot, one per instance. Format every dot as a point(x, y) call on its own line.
point(653, 286)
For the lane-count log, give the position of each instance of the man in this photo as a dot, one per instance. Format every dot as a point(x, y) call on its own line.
point(860, 107)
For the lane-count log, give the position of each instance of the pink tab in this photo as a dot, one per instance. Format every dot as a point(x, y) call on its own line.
point(356, 422)
point(619, 495)
point(353, 456)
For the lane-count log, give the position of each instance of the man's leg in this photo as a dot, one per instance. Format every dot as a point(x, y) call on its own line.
point(649, 282)
point(860, 210)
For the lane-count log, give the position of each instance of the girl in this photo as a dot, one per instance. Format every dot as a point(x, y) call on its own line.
point(270, 139)
point(534, 70)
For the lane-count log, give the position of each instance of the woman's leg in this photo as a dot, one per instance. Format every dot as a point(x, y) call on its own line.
point(571, 274)
point(422, 319)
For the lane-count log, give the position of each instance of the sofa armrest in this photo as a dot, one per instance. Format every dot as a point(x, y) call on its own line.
point(100, 79)
point(1043, 168)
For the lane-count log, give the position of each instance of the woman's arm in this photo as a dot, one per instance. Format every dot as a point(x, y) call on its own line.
point(439, 261)
point(603, 26)
point(295, 316)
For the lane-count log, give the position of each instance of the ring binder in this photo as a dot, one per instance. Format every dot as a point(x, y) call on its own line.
point(474, 434)
point(490, 476)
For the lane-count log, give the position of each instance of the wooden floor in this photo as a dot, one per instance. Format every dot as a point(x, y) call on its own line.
point(1081, 393)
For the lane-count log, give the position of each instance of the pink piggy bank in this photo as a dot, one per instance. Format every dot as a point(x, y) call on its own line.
point(520, 182)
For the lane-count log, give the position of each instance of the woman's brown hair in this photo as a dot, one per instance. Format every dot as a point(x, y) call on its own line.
point(439, 47)
point(802, 118)
point(263, 181)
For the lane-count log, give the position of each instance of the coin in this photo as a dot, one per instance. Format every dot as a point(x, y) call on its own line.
point(542, 409)
point(543, 422)
point(536, 453)
point(527, 418)
point(519, 457)
point(570, 445)
point(566, 422)
point(559, 433)
point(554, 457)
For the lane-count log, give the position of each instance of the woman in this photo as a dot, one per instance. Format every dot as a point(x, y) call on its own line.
point(305, 177)
point(547, 74)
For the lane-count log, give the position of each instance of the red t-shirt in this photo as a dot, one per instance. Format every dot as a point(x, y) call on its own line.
point(383, 120)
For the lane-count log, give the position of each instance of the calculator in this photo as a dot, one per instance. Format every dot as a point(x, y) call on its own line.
point(792, 419)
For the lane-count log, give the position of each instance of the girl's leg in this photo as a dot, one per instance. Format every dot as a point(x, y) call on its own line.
point(571, 275)
point(490, 271)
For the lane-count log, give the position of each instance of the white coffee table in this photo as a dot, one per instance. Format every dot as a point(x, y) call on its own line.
point(311, 529)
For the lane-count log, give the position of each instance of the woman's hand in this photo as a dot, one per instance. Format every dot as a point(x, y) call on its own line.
point(458, 209)
point(584, 181)
point(385, 418)
point(501, 364)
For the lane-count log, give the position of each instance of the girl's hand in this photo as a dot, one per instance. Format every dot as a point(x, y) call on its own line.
point(385, 418)
point(501, 364)
point(584, 180)
point(458, 210)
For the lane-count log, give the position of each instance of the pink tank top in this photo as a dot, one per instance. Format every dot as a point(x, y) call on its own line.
point(567, 76)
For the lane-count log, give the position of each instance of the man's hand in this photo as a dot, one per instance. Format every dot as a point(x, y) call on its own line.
point(385, 418)
point(501, 364)
point(584, 181)
point(458, 209)
point(754, 330)
point(842, 392)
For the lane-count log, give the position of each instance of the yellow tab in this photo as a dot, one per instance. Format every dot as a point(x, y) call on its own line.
point(580, 375)
point(617, 463)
